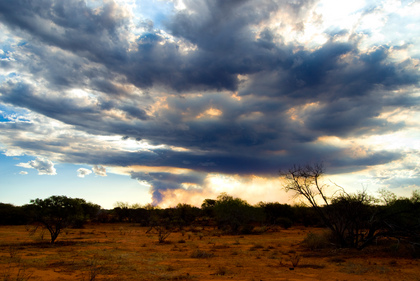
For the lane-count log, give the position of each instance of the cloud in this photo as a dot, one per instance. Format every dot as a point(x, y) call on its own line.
point(232, 87)
point(99, 170)
point(82, 172)
point(44, 166)
point(13, 152)
point(399, 174)
point(23, 173)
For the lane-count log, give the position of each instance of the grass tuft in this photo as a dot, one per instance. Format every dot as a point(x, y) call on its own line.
point(199, 254)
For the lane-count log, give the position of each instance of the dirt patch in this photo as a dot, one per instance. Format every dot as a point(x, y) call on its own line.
point(128, 252)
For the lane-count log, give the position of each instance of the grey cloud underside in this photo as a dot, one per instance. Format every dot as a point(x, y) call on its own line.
point(231, 162)
point(163, 181)
point(66, 45)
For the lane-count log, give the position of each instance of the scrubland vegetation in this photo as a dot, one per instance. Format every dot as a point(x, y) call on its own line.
point(344, 236)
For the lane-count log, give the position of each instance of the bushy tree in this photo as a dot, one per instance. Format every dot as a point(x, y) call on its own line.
point(185, 214)
point(122, 211)
point(351, 215)
point(306, 215)
point(278, 214)
point(400, 219)
point(234, 214)
point(58, 212)
point(207, 207)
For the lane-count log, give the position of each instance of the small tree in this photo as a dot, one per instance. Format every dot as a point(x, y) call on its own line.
point(235, 215)
point(58, 212)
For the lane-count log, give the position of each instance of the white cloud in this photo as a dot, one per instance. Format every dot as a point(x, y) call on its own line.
point(44, 166)
point(99, 170)
point(13, 152)
point(23, 173)
point(82, 172)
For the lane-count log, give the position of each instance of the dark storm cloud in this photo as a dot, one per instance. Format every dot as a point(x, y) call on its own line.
point(135, 112)
point(225, 25)
point(232, 162)
point(226, 45)
point(324, 75)
point(23, 95)
point(69, 25)
point(335, 160)
point(147, 88)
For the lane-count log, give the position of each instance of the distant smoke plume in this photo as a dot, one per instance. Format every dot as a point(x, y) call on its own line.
point(161, 182)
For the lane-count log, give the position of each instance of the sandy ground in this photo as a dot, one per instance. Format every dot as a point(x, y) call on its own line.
point(127, 252)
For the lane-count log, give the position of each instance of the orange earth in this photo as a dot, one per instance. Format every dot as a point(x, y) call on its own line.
point(129, 252)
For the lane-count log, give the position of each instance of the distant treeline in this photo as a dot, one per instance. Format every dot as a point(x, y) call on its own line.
point(355, 221)
point(232, 215)
point(225, 212)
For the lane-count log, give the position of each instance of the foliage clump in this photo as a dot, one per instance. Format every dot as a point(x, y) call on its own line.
point(58, 212)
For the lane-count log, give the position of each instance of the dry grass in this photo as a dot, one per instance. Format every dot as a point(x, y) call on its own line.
point(124, 252)
point(295, 259)
point(316, 241)
point(199, 254)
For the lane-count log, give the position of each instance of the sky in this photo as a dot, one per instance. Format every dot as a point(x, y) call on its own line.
point(176, 101)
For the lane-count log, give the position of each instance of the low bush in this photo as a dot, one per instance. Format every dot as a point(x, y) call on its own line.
point(316, 241)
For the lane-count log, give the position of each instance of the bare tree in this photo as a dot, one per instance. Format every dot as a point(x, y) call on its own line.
point(344, 214)
point(305, 181)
